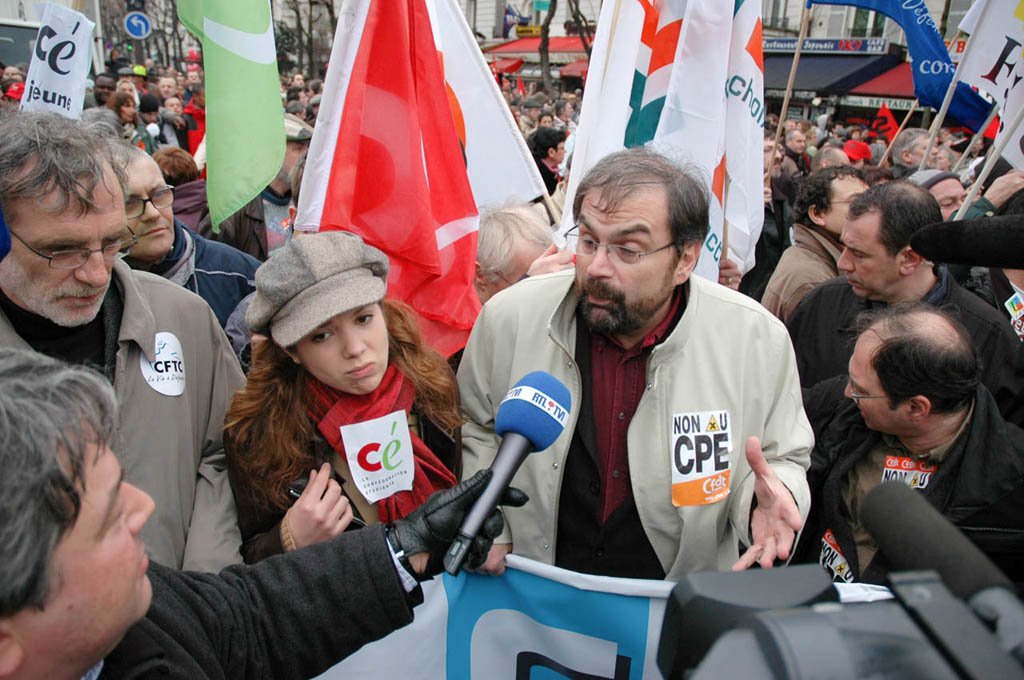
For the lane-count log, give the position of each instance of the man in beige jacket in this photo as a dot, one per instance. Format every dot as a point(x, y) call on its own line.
point(819, 215)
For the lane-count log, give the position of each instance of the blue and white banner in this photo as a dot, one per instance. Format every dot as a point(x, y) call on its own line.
point(932, 68)
point(535, 621)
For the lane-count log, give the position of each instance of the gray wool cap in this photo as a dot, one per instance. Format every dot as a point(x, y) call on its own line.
point(929, 177)
point(312, 279)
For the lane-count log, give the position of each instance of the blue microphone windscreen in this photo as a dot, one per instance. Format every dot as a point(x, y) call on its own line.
point(537, 407)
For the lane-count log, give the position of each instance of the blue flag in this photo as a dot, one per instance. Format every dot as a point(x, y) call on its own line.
point(5, 236)
point(930, 62)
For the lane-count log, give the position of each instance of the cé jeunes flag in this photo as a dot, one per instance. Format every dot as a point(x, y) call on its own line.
point(55, 82)
point(243, 99)
point(385, 163)
point(687, 79)
point(932, 68)
point(499, 164)
point(994, 63)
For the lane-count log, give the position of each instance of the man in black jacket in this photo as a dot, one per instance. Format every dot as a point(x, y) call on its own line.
point(882, 269)
point(913, 411)
point(79, 598)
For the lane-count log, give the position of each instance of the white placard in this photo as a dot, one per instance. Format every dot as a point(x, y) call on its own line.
point(60, 62)
point(380, 456)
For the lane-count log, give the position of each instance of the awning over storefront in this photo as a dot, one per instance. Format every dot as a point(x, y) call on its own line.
point(507, 65)
point(896, 82)
point(824, 74)
point(577, 69)
point(561, 50)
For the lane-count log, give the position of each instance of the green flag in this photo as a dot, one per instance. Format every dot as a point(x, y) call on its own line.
point(244, 117)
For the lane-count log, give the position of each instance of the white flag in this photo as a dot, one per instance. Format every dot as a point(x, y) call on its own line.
point(499, 164)
point(996, 29)
point(667, 88)
point(60, 62)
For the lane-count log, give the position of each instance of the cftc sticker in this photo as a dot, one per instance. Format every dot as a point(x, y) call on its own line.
point(166, 373)
point(701, 446)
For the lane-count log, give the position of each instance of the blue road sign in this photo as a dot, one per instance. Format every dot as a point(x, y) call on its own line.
point(137, 25)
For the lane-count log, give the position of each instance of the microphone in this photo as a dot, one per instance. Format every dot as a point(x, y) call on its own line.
point(530, 417)
point(913, 535)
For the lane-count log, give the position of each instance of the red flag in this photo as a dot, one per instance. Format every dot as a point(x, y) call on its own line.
point(520, 88)
point(993, 129)
point(395, 173)
point(884, 122)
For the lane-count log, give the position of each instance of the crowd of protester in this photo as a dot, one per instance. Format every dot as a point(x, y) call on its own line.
point(226, 363)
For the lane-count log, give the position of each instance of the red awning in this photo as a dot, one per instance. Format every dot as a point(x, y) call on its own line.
point(507, 65)
point(577, 69)
point(896, 82)
point(561, 45)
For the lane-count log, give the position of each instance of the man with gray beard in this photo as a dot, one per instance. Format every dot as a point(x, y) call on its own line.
point(65, 292)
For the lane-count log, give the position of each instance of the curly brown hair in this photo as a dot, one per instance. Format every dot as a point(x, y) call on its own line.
point(267, 430)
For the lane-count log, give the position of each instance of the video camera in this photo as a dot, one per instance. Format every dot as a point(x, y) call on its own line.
point(787, 623)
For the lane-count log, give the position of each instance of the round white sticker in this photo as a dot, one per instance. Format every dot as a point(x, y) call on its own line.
point(166, 373)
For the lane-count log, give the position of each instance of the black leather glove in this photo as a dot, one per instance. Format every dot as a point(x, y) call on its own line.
point(433, 526)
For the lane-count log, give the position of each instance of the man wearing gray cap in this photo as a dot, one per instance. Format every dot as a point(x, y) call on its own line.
point(263, 225)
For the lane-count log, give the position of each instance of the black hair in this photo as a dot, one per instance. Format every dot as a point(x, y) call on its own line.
point(816, 190)
point(904, 208)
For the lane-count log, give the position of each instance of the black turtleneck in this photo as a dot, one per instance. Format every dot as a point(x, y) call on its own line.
point(86, 344)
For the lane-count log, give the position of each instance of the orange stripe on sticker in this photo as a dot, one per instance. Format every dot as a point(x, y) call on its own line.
point(703, 491)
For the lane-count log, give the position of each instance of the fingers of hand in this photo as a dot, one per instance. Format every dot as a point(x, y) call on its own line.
point(748, 558)
point(513, 497)
point(317, 483)
point(769, 553)
point(755, 458)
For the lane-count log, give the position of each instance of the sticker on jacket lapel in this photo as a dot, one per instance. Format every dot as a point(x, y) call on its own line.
point(914, 473)
point(701, 445)
point(1015, 306)
point(833, 560)
point(379, 453)
point(166, 373)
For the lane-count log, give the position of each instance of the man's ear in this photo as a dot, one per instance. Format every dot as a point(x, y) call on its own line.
point(687, 261)
point(909, 260)
point(817, 216)
point(11, 652)
point(919, 407)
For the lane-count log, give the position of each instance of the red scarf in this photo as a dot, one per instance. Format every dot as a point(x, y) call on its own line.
point(331, 409)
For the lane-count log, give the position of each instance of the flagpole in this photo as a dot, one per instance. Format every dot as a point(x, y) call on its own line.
point(947, 100)
point(990, 163)
point(906, 119)
point(805, 22)
point(974, 140)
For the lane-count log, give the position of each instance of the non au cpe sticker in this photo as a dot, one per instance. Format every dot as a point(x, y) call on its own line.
point(833, 560)
point(701, 447)
point(914, 473)
point(379, 454)
point(166, 373)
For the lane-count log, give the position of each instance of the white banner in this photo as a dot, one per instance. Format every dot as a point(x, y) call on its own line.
point(60, 63)
point(659, 76)
point(535, 621)
point(500, 166)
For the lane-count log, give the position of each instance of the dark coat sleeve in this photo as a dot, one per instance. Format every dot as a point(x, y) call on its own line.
point(290, 616)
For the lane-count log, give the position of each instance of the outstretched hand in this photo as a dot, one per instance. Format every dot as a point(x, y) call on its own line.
point(775, 520)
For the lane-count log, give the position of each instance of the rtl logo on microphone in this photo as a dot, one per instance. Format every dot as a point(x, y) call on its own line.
point(541, 401)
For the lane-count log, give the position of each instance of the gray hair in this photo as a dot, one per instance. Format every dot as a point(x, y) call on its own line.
point(905, 141)
point(124, 154)
point(499, 229)
point(103, 122)
point(45, 152)
point(50, 414)
point(618, 175)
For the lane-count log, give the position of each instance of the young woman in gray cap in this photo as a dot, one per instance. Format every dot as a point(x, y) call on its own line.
point(346, 413)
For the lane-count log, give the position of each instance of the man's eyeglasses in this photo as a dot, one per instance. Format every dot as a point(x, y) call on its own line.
point(75, 258)
point(857, 397)
point(136, 206)
point(586, 246)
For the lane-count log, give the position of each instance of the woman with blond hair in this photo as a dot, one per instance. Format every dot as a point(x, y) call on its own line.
point(340, 393)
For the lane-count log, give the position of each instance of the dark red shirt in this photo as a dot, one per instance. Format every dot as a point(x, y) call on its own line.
point(619, 376)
